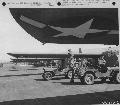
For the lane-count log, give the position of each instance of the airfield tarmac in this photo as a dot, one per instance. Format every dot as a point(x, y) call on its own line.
point(26, 87)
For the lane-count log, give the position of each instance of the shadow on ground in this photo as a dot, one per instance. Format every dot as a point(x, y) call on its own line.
point(89, 98)
point(58, 78)
point(33, 69)
point(55, 78)
point(68, 83)
point(40, 79)
point(26, 69)
point(79, 83)
point(13, 69)
point(20, 75)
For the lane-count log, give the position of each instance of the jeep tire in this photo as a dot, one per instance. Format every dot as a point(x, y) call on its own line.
point(47, 76)
point(69, 74)
point(88, 79)
point(115, 78)
point(118, 77)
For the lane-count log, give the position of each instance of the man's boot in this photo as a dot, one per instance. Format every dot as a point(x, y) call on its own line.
point(71, 80)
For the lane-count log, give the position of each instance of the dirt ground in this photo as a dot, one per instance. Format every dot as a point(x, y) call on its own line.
point(26, 87)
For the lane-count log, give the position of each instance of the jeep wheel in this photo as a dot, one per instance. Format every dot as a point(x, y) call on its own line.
point(112, 79)
point(69, 74)
point(47, 76)
point(115, 78)
point(66, 76)
point(118, 78)
point(103, 80)
point(89, 79)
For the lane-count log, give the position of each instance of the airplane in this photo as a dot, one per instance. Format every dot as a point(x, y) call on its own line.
point(70, 26)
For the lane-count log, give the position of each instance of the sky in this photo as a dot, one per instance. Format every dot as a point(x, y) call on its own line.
point(13, 39)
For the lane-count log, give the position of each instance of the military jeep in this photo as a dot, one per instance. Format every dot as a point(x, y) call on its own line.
point(88, 75)
point(49, 72)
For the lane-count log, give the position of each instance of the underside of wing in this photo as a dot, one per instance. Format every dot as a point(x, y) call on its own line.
point(50, 25)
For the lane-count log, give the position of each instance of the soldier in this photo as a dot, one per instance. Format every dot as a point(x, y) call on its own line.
point(71, 64)
point(102, 65)
point(110, 57)
point(84, 62)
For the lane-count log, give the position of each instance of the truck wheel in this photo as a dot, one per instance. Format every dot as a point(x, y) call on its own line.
point(47, 76)
point(88, 79)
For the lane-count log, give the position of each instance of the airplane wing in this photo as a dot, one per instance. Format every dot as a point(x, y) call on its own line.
point(32, 22)
point(92, 26)
point(24, 55)
point(50, 56)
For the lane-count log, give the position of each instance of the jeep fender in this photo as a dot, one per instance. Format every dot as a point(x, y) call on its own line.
point(92, 72)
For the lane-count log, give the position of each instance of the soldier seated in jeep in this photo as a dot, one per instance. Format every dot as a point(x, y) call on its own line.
point(102, 65)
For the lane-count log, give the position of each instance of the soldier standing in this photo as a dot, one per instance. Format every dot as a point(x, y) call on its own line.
point(71, 64)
